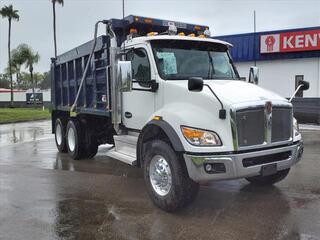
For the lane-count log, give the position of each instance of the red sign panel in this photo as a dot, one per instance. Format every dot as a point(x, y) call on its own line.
point(290, 41)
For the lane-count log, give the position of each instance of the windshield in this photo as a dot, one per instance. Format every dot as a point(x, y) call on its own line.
point(183, 59)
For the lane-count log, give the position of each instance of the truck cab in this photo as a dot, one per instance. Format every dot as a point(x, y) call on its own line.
point(175, 106)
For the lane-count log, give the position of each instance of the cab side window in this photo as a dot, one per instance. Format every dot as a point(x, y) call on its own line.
point(140, 65)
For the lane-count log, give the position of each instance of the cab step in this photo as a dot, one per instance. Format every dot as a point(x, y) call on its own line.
point(125, 149)
point(122, 157)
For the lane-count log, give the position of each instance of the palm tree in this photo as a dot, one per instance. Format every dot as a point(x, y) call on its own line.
point(54, 24)
point(17, 61)
point(11, 14)
point(30, 58)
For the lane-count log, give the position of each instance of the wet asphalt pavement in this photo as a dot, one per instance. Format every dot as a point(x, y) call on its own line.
point(47, 195)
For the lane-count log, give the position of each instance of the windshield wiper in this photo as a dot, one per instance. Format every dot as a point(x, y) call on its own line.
point(211, 67)
point(176, 77)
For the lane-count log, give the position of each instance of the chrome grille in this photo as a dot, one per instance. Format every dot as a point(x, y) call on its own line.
point(281, 124)
point(255, 127)
point(250, 126)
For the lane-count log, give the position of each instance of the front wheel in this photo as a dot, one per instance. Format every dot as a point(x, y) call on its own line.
point(269, 180)
point(166, 177)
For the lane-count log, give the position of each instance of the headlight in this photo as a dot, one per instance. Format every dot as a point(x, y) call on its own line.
point(200, 137)
point(295, 125)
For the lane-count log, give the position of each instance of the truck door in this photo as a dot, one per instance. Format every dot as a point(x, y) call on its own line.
point(139, 104)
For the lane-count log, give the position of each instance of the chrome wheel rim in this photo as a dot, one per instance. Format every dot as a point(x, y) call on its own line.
point(71, 139)
point(59, 134)
point(160, 175)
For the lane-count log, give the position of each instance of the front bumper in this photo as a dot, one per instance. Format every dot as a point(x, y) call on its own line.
point(234, 167)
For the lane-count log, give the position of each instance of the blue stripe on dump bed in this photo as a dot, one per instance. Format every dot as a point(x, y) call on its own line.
point(246, 47)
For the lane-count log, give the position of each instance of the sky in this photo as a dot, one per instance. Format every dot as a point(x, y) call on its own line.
point(76, 19)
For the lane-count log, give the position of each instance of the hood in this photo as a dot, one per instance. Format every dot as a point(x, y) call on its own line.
point(234, 92)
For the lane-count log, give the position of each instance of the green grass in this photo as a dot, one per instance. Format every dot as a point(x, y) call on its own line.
point(12, 115)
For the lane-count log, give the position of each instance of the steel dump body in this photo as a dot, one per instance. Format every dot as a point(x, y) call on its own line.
point(68, 68)
point(67, 72)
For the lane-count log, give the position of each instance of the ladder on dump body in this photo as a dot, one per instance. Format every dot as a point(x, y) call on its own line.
point(101, 81)
point(125, 149)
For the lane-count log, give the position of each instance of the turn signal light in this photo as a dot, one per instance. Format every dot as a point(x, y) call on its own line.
point(133, 31)
point(148, 20)
point(199, 137)
point(157, 118)
point(192, 133)
point(152, 34)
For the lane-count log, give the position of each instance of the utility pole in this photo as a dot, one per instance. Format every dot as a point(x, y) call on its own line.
point(122, 8)
point(254, 37)
point(124, 30)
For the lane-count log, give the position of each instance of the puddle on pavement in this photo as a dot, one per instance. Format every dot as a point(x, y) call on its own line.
point(76, 218)
point(24, 132)
point(114, 218)
point(100, 164)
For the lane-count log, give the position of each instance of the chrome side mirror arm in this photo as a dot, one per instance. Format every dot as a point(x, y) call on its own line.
point(295, 92)
point(303, 85)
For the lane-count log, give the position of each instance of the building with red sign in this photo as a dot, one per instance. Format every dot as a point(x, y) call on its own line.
point(283, 57)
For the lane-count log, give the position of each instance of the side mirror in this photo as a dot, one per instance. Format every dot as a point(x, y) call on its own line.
point(195, 84)
point(305, 85)
point(254, 75)
point(124, 76)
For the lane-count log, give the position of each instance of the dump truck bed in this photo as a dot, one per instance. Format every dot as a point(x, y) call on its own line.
point(67, 71)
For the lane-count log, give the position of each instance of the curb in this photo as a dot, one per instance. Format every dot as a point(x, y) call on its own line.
point(23, 121)
point(309, 127)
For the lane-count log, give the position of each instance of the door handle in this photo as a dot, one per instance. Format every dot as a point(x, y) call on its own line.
point(128, 114)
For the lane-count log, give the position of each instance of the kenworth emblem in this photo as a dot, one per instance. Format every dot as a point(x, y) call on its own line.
point(268, 114)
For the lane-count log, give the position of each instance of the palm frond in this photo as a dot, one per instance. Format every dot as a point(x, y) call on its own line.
point(15, 15)
point(26, 55)
point(61, 2)
point(9, 12)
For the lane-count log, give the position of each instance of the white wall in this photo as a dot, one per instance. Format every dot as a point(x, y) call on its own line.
point(279, 75)
point(21, 96)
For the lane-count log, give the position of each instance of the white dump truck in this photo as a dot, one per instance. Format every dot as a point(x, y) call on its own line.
point(169, 99)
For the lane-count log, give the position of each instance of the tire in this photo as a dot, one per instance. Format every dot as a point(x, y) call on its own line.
point(74, 140)
point(60, 135)
point(268, 180)
point(182, 191)
point(91, 150)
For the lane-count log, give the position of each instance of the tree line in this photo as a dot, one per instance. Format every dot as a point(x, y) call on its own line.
point(24, 57)
point(41, 80)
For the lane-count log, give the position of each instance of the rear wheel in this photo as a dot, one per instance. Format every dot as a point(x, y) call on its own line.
point(166, 177)
point(91, 150)
point(59, 135)
point(269, 180)
point(74, 140)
